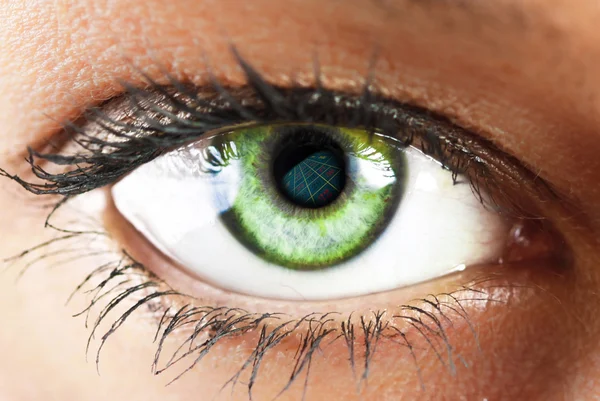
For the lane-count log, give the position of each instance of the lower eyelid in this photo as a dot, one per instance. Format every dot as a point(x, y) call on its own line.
point(541, 246)
point(415, 331)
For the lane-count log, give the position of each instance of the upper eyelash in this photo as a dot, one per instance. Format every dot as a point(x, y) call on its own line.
point(164, 117)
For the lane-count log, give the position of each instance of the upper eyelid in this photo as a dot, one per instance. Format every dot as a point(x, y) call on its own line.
point(185, 100)
point(454, 100)
point(118, 114)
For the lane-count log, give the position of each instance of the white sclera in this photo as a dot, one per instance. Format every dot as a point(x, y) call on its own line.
point(438, 226)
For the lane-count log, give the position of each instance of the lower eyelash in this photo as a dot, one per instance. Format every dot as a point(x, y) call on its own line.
point(126, 283)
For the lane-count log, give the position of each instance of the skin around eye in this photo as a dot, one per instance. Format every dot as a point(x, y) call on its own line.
point(523, 74)
point(192, 209)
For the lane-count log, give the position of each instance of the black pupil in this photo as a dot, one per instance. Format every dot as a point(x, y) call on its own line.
point(310, 175)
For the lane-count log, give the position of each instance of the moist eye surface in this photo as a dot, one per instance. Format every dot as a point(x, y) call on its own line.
point(309, 196)
point(308, 211)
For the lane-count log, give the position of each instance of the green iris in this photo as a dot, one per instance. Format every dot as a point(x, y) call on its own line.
point(309, 196)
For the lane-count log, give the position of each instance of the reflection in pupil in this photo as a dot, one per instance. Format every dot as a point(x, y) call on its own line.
point(315, 180)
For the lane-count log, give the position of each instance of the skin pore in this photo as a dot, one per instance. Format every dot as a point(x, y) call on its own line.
point(521, 73)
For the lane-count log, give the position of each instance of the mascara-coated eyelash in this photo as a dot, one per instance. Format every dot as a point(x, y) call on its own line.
point(129, 131)
point(142, 124)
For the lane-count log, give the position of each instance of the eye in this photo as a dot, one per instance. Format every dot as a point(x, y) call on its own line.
point(309, 211)
point(389, 195)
